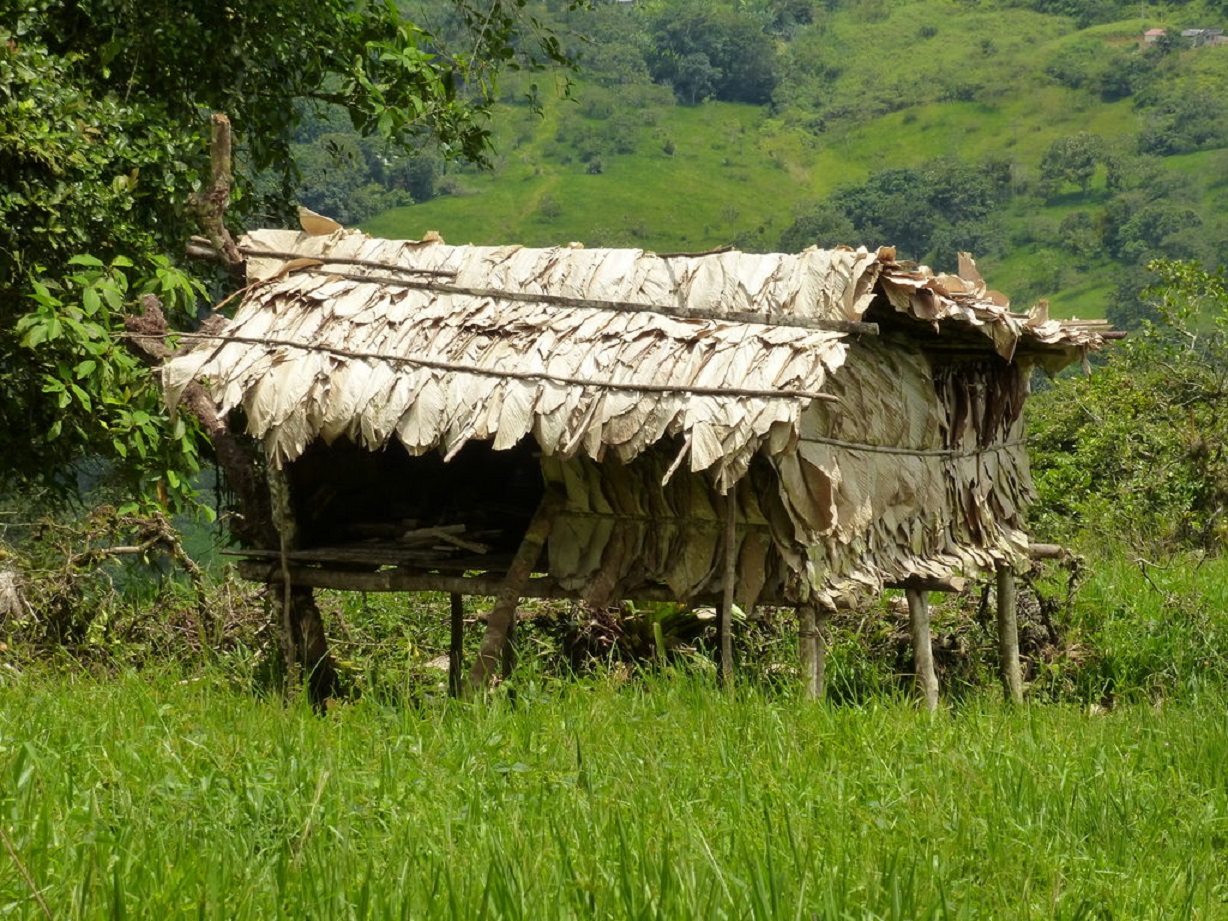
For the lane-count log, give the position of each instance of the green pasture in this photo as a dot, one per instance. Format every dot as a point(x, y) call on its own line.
point(194, 791)
point(151, 798)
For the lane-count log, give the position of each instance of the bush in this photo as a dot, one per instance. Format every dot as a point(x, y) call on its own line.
point(1138, 451)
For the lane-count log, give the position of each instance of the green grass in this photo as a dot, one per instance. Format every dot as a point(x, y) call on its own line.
point(154, 799)
point(714, 185)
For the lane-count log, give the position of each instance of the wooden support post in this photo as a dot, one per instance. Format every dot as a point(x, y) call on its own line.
point(1008, 635)
point(501, 621)
point(812, 645)
point(922, 647)
point(304, 643)
point(724, 620)
point(822, 618)
point(507, 663)
point(456, 646)
point(807, 649)
point(283, 518)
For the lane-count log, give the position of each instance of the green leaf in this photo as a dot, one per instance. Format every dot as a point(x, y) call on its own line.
point(112, 294)
point(82, 397)
point(90, 301)
point(36, 333)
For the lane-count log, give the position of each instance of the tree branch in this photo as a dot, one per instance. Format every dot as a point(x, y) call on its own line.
point(209, 207)
point(254, 524)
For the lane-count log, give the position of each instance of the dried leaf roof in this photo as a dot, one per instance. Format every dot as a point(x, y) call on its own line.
point(596, 352)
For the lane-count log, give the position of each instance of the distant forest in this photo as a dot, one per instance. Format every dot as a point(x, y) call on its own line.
point(1049, 137)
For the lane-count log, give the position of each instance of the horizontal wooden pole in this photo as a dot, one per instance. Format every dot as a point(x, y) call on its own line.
point(464, 368)
point(200, 248)
point(399, 580)
point(584, 303)
point(396, 580)
point(951, 584)
point(1048, 552)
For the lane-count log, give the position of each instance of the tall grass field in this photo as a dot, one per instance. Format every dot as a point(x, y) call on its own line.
point(156, 797)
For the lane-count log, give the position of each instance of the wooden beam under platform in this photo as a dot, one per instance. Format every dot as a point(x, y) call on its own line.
point(399, 580)
point(488, 583)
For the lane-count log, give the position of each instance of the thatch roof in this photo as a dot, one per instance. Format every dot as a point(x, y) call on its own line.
point(595, 352)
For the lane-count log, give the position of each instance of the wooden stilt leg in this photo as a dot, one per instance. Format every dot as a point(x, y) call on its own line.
point(808, 650)
point(822, 618)
point(283, 519)
point(1008, 635)
point(922, 646)
point(724, 621)
point(501, 620)
point(456, 646)
point(508, 663)
point(304, 644)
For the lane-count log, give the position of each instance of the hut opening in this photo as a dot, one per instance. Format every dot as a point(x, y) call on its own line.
point(795, 429)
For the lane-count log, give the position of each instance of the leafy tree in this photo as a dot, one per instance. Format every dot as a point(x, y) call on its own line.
point(82, 174)
point(609, 42)
point(1084, 12)
point(103, 143)
point(892, 207)
point(695, 78)
point(1137, 227)
point(1123, 74)
point(1181, 119)
point(704, 49)
point(1139, 450)
point(825, 225)
point(1074, 159)
point(931, 211)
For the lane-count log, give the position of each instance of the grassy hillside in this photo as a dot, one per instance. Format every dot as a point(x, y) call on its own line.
point(868, 87)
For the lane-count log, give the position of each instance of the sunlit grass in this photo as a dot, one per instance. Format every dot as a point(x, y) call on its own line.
point(149, 798)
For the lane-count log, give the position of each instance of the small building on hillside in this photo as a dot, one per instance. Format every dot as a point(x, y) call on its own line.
point(1201, 37)
point(1154, 36)
point(798, 429)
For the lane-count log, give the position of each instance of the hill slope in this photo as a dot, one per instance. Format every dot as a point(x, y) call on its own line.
point(871, 97)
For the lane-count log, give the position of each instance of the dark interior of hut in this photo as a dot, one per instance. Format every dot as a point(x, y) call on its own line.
point(363, 509)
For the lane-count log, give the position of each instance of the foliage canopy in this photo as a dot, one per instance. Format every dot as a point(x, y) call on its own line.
point(1138, 451)
point(102, 143)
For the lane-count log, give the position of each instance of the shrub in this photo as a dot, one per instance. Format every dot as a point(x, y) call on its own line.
point(1139, 450)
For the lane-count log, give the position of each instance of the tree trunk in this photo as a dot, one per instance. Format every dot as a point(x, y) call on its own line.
point(303, 640)
point(314, 664)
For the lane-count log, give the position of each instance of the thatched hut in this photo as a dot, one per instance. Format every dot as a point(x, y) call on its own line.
point(766, 429)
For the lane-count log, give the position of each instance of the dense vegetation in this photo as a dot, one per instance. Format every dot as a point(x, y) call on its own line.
point(104, 136)
point(1046, 137)
point(151, 766)
point(1136, 452)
